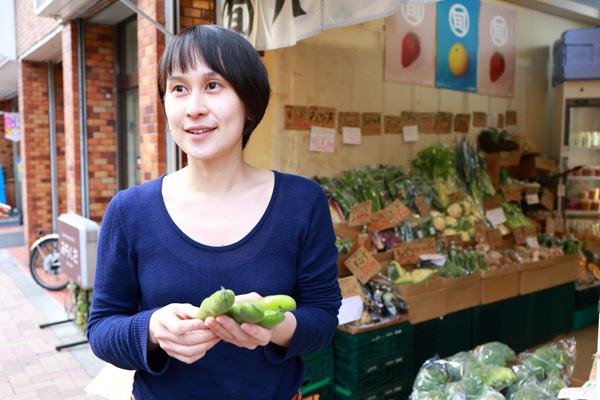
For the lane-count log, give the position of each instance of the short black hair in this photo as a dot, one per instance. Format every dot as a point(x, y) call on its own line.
point(227, 53)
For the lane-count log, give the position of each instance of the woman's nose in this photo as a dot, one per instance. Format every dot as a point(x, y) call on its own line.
point(196, 105)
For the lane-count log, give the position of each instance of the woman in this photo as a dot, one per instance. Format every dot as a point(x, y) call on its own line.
point(219, 222)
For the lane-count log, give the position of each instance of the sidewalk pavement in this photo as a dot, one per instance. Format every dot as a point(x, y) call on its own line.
point(30, 365)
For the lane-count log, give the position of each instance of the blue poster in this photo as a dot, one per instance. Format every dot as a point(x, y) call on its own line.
point(457, 43)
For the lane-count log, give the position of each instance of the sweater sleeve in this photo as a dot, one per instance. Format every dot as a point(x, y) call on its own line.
point(317, 291)
point(117, 330)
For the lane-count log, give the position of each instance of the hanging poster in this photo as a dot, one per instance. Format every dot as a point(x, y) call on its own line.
point(497, 51)
point(457, 26)
point(11, 126)
point(410, 45)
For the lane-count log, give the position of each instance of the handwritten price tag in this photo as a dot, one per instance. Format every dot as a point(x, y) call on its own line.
point(481, 232)
point(408, 253)
point(493, 210)
point(456, 196)
point(350, 287)
point(550, 226)
point(363, 265)
point(519, 235)
point(351, 135)
point(532, 242)
point(515, 159)
point(547, 199)
point(360, 214)
point(449, 239)
point(388, 217)
point(422, 206)
point(322, 139)
point(410, 133)
point(546, 164)
point(495, 237)
point(512, 192)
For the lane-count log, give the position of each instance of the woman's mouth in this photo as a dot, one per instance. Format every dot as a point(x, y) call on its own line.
point(200, 133)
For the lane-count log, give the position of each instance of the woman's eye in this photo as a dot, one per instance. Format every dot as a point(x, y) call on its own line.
point(212, 85)
point(178, 88)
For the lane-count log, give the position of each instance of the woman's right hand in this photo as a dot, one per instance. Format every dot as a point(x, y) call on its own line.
point(176, 330)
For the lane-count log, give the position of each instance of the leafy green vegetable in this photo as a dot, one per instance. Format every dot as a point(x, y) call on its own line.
point(495, 353)
point(430, 377)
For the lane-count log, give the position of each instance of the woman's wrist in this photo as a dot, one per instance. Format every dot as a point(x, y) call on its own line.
point(284, 332)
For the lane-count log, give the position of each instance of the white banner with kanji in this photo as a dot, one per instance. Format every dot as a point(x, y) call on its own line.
point(281, 23)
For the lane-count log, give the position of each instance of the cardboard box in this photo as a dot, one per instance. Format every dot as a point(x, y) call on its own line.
point(462, 292)
point(546, 274)
point(425, 300)
point(342, 229)
point(499, 284)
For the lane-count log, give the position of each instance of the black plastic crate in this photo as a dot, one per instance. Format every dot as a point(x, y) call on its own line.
point(399, 390)
point(373, 376)
point(587, 297)
point(356, 351)
point(424, 342)
point(563, 307)
point(322, 390)
point(318, 366)
point(454, 333)
point(584, 318)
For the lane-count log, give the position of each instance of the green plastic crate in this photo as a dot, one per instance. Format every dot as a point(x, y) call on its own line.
point(373, 376)
point(355, 351)
point(399, 390)
point(323, 390)
point(318, 366)
point(563, 307)
point(584, 318)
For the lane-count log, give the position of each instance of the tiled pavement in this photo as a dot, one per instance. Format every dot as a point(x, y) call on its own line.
point(30, 365)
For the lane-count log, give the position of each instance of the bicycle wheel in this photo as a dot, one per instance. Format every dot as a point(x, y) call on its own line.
point(45, 265)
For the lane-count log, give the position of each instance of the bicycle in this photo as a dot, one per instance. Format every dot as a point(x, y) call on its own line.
point(44, 262)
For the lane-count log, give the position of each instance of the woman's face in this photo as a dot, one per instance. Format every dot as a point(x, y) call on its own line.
point(205, 114)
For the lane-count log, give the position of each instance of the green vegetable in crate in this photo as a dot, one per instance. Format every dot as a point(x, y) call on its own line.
point(428, 395)
point(553, 383)
point(495, 353)
point(546, 360)
point(571, 245)
point(216, 304)
point(499, 378)
point(456, 364)
point(532, 392)
point(430, 377)
point(454, 391)
point(420, 275)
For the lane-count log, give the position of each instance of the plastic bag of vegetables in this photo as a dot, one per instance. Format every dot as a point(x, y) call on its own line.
point(558, 356)
point(532, 391)
point(494, 353)
point(435, 394)
point(454, 391)
point(490, 394)
point(456, 365)
point(432, 375)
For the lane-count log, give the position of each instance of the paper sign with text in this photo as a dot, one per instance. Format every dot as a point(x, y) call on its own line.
point(392, 124)
point(322, 139)
point(388, 217)
point(532, 198)
point(512, 192)
point(408, 253)
point(410, 133)
point(426, 122)
point(481, 232)
point(479, 119)
point(350, 287)
point(351, 135)
point(422, 206)
point(363, 265)
point(449, 239)
point(348, 118)
point(519, 235)
point(360, 214)
point(351, 310)
point(371, 123)
point(491, 120)
point(550, 226)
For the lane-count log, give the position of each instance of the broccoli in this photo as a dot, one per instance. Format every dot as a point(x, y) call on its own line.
point(553, 383)
point(495, 353)
point(430, 377)
point(456, 364)
point(454, 391)
point(532, 392)
point(546, 360)
point(499, 377)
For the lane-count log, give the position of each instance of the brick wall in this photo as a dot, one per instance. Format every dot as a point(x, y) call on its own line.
point(29, 27)
point(6, 146)
point(101, 117)
point(35, 146)
point(196, 12)
point(71, 118)
point(151, 43)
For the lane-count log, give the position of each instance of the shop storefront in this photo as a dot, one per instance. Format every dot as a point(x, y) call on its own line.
point(362, 97)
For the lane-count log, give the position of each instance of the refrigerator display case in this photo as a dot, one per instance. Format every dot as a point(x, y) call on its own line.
point(577, 117)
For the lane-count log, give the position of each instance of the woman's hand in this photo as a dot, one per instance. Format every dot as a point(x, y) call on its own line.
point(176, 330)
point(250, 335)
point(4, 209)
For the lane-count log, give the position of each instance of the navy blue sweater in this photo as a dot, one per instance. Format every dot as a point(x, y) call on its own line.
point(146, 262)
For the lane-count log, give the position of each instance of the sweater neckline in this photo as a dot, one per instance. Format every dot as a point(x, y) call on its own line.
point(256, 228)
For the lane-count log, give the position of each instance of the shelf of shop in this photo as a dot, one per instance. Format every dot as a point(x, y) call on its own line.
point(582, 213)
point(583, 178)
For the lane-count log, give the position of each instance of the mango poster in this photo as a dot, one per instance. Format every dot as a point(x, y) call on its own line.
point(410, 45)
point(457, 38)
point(497, 51)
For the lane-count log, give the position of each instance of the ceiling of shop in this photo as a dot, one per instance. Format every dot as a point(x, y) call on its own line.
point(591, 3)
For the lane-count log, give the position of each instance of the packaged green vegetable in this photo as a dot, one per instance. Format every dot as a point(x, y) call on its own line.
point(494, 353)
point(431, 376)
point(456, 365)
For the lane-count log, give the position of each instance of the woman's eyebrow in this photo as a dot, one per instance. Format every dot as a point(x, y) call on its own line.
point(207, 75)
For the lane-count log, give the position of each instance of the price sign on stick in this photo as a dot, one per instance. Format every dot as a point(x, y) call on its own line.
point(422, 206)
point(388, 217)
point(550, 226)
point(519, 235)
point(547, 199)
point(363, 265)
point(350, 287)
point(493, 210)
point(408, 253)
point(512, 192)
point(360, 214)
point(481, 232)
point(495, 237)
